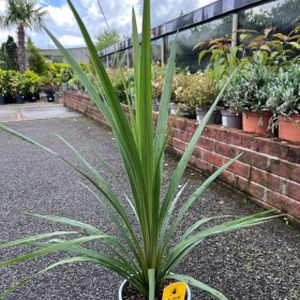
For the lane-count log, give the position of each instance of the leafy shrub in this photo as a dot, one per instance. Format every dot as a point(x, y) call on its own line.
point(196, 90)
point(249, 90)
point(284, 92)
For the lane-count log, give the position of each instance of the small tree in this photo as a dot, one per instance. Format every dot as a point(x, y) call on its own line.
point(8, 55)
point(107, 38)
point(36, 60)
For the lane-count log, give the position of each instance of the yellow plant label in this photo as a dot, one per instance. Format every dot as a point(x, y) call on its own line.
point(175, 291)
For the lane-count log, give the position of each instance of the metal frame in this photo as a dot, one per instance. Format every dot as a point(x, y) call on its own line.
point(205, 14)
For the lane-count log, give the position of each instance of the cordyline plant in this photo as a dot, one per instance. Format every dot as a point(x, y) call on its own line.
point(143, 254)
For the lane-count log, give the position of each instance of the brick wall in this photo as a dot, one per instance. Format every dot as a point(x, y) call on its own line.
point(268, 171)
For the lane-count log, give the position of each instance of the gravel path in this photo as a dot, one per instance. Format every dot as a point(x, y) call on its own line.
point(259, 263)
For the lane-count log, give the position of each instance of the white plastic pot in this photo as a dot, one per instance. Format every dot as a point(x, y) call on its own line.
point(188, 295)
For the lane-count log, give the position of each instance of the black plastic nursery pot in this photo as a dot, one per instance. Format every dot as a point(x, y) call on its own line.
point(2, 100)
point(50, 96)
point(32, 97)
point(201, 114)
point(19, 99)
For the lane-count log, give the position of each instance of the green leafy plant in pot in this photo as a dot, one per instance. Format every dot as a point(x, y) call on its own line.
point(144, 254)
point(248, 93)
point(34, 81)
point(197, 92)
point(3, 86)
point(284, 102)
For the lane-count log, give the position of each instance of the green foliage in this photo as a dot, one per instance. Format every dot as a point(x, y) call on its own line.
point(59, 72)
point(36, 60)
point(25, 12)
point(249, 90)
point(284, 92)
point(4, 88)
point(13, 83)
point(196, 90)
point(145, 253)
point(8, 55)
point(269, 48)
point(107, 38)
point(22, 14)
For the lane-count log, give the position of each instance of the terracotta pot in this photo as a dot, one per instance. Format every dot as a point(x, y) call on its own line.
point(289, 128)
point(257, 122)
point(120, 293)
point(61, 100)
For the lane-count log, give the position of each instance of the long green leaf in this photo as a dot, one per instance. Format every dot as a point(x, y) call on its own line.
point(63, 220)
point(151, 276)
point(186, 156)
point(59, 263)
point(35, 238)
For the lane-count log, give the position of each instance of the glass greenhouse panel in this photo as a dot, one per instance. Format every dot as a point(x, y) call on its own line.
point(280, 14)
point(187, 39)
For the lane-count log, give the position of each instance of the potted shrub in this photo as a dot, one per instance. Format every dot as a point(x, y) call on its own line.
point(284, 100)
point(34, 81)
point(59, 96)
point(248, 93)
point(3, 86)
point(197, 92)
point(158, 75)
point(231, 112)
point(142, 254)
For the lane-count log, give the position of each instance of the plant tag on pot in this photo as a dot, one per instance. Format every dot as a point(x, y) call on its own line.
point(175, 291)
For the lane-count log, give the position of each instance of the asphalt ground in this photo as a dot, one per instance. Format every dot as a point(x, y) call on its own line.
point(259, 263)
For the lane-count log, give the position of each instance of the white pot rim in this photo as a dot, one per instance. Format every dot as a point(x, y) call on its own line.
point(188, 296)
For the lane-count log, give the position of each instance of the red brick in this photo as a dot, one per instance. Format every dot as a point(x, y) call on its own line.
point(271, 147)
point(285, 169)
point(251, 188)
point(175, 133)
point(185, 136)
point(254, 159)
point(204, 166)
point(240, 169)
point(294, 154)
point(178, 144)
point(192, 160)
point(213, 158)
point(228, 177)
point(293, 190)
point(180, 123)
point(198, 152)
point(206, 143)
point(170, 120)
point(267, 179)
point(283, 203)
point(226, 150)
point(190, 126)
point(214, 132)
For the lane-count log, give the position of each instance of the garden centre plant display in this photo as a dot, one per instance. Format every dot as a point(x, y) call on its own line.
point(144, 255)
point(197, 92)
point(284, 101)
point(248, 93)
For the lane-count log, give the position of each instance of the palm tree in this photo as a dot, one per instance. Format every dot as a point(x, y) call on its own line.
point(22, 14)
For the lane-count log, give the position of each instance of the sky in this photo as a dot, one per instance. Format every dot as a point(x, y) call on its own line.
point(118, 13)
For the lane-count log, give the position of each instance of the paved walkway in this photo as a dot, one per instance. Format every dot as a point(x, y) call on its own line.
point(34, 111)
point(261, 263)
